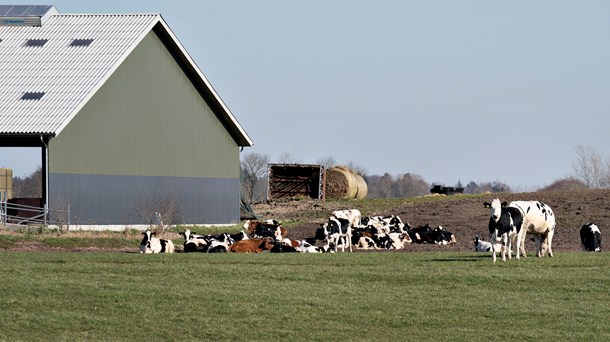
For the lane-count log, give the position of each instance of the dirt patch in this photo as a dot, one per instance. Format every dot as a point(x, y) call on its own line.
point(466, 217)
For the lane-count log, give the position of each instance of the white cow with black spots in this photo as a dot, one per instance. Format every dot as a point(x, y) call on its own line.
point(539, 220)
point(150, 244)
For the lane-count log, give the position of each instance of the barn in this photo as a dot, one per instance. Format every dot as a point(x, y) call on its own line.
point(122, 115)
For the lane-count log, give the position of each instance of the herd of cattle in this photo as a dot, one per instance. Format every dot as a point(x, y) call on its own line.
point(509, 223)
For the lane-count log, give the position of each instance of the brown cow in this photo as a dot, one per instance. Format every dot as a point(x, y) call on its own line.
point(252, 246)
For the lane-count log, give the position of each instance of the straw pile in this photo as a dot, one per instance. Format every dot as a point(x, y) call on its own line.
point(6, 183)
point(343, 183)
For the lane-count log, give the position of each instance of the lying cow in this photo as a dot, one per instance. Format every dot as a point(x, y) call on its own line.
point(260, 229)
point(484, 246)
point(252, 246)
point(591, 238)
point(150, 244)
point(427, 234)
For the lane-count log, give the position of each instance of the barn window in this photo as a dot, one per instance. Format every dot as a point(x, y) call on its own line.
point(36, 42)
point(81, 42)
point(32, 95)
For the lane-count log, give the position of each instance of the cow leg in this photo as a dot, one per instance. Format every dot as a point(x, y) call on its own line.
point(510, 245)
point(521, 243)
point(504, 245)
point(349, 240)
point(518, 246)
point(549, 240)
point(538, 242)
point(492, 237)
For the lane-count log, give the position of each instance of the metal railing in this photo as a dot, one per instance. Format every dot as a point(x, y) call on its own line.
point(36, 215)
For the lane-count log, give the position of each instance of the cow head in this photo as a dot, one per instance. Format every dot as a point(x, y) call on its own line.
point(495, 208)
point(186, 235)
point(277, 234)
point(145, 243)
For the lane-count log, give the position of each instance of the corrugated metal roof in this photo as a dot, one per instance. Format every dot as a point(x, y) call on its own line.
point(69, 75)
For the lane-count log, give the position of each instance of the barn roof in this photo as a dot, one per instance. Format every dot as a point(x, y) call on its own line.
point(49, 72)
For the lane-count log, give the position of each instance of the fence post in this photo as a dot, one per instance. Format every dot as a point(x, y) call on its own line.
point(2, 208)
point(68, 219)
point(46, 213)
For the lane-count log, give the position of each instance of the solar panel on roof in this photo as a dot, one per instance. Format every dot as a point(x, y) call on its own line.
point(24, 10)
point(81, 42)
point(36, 42)
point(32, 95)
point(25, 15)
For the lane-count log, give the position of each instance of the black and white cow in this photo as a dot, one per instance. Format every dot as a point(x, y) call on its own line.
point(352, 215)
point(539, 220)
point(504, 224)
point(337, 231)
point(427, 234)
point(150, 244)
point(591, 238)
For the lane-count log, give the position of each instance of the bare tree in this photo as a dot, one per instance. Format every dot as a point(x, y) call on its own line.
point(287, 158)
point(159, 210)
point(253, 171)
point(357, 168)
point(327, 162)
point(589, 168)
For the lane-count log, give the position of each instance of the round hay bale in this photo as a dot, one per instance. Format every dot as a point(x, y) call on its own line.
point(340, 183)
point(361, 188)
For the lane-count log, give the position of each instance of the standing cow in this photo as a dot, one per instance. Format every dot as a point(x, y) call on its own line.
point(539, 220)
point(505, 223)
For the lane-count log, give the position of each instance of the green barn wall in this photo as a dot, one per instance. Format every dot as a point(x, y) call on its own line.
point(146, 131)
point(146, 120)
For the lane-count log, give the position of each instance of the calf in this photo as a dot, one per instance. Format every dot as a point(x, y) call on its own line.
point(504, 223)
point(483, 246)
point(150, 244)
point(591, 238)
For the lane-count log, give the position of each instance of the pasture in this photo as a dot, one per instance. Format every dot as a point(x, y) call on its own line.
point(315, 297)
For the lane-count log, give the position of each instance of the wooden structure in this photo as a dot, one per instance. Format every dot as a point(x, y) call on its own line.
point(293, 180)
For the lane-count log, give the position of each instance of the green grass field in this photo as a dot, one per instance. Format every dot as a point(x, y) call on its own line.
point(307, 297)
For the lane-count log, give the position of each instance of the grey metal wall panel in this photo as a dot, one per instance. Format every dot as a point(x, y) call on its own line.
point(112, 200)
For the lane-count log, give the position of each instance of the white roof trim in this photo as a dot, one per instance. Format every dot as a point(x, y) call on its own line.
point(205, 80)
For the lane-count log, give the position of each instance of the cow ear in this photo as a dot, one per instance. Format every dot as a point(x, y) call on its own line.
point(486, 204)
point(504, 204)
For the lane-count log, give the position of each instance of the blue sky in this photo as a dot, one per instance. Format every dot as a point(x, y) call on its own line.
point(450, 90)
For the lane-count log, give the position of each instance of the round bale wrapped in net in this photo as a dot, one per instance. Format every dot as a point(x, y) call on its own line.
point(340, 183)
point(361, 188)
